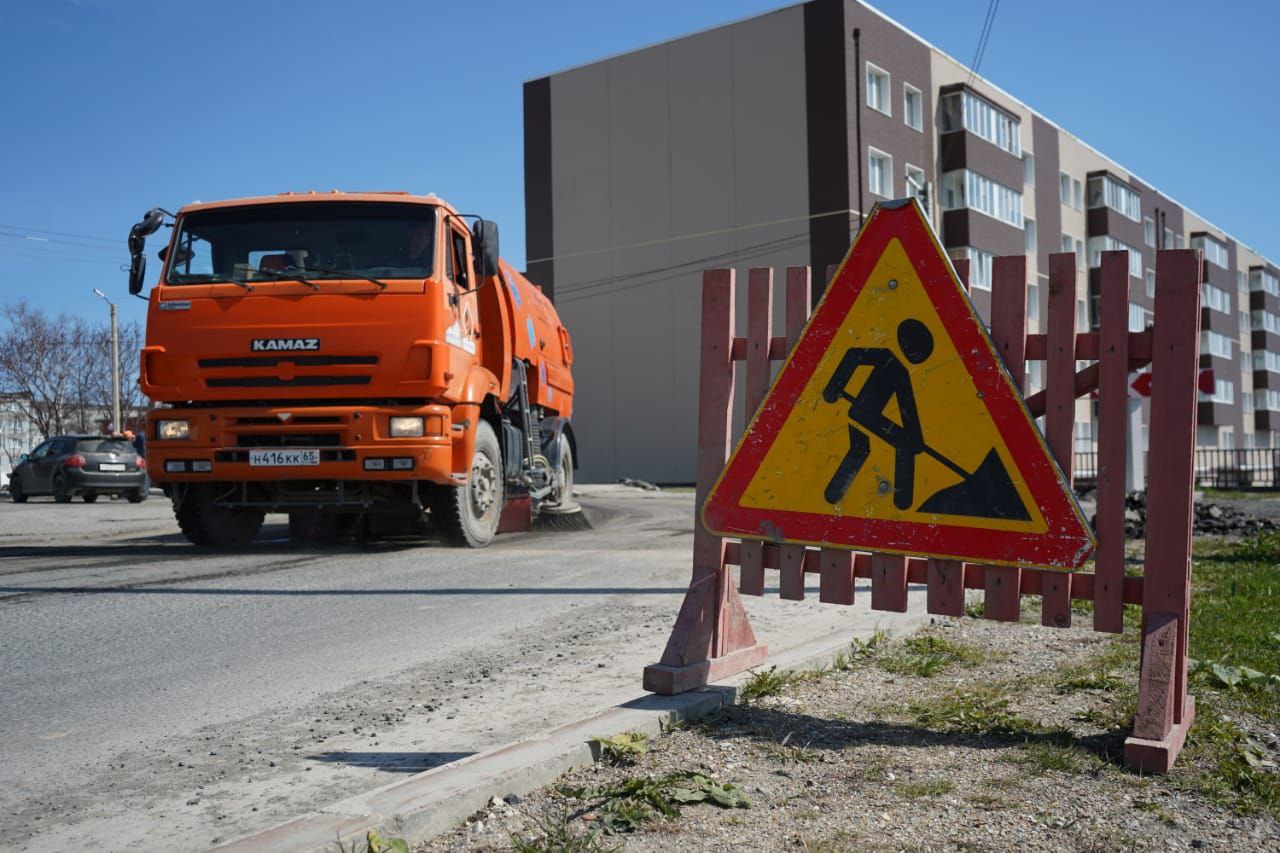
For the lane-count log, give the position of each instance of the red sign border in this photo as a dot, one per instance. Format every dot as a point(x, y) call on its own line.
point(1068, 541)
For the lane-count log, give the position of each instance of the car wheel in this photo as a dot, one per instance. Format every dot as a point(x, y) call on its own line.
point(15, 490)
point(89, 497)
point(136, 496)
point(469, 514)
point(61, 493)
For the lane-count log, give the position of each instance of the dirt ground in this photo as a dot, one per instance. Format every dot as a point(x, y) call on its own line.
point(970, 735)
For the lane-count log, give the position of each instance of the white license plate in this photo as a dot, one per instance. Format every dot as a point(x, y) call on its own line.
point(110, 466)
point(283, 458)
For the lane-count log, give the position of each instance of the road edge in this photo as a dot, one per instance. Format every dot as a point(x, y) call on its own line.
point(435, 801)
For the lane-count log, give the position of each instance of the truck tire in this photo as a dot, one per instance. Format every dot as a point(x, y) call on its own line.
point(563, 495)
point(207, 525)
point(468, 515)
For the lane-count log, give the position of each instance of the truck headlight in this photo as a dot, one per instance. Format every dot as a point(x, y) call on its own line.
point(406, 427)
point(170, 430)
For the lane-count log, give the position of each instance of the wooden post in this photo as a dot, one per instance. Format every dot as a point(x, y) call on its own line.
point(712, 638)
point(1165, 710)
point(759, 337)
point(1113, 422)
point(1059, 418)
point(1000, 598)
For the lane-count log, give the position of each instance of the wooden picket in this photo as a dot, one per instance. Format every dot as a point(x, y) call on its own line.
point(713, 638)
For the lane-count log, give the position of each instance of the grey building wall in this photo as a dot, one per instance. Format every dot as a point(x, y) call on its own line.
point(665, 162)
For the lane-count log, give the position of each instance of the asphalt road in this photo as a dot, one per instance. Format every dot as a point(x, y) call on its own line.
point(157, 696)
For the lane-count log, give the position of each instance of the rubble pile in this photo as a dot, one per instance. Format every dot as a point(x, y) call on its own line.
point(1208, 518)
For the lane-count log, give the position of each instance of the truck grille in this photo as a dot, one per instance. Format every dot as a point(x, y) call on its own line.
point(277, 382)
point(299, 360)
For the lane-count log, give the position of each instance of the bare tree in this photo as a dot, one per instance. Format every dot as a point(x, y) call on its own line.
point(59, 370)
point(38, 362)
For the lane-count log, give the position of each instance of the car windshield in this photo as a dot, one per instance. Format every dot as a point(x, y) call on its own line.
point(103, 445)
point(316, 240)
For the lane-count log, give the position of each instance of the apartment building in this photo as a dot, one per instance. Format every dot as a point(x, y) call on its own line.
point(738, 146)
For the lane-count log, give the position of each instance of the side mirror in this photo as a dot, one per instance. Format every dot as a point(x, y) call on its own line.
point(24, 457)
point(150, 223)
point(484, 238)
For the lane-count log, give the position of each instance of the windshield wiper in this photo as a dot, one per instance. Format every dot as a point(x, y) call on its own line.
point(289, 274)
point(382, 285)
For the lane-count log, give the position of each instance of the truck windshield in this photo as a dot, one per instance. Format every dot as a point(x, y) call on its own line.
point(319, 240)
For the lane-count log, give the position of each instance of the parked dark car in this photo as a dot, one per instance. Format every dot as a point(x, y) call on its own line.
point(85, 465)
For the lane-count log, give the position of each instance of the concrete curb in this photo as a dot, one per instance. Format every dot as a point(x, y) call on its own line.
point(433, 802)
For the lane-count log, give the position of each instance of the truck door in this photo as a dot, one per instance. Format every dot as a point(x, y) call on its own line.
point(461, 276)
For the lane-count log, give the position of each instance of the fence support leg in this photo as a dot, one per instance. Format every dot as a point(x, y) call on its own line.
point(712, 638)
point(1165, 710)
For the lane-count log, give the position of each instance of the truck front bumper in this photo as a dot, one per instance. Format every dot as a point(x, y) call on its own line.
point(330, 443)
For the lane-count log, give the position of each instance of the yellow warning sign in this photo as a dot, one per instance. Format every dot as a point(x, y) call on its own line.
point(889, 406)
point(894, 426)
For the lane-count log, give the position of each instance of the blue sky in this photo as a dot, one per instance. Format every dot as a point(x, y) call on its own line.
point(112, 107)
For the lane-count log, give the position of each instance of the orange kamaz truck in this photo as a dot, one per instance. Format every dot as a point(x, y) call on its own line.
point(361, 361)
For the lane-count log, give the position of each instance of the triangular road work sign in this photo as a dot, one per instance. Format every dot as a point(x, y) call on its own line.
point(893, 425)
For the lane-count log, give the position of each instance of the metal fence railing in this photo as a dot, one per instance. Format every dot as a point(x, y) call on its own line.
point(1254, 468)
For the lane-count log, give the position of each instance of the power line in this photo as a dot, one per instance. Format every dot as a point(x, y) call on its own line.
point(992, 7)
point(52, 242)
point(63, 234)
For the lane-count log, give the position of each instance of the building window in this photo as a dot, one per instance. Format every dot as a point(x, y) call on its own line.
point(1066, 242)
point(1244, 327)
point(880, 172)
point(1106, 191)
point(912, 107)
point(1033, 307)
point(1075, 194)
point(1035, 376)
point(1080, 256)
point(1137, 317)
point(1149, 231)
point(1264, 281)
point(966, 111)
point(1216, 299)
point(1265, 359)
point(1082, 316)
point(1264, 321)
point(1242, 281)
point(915, 182)
point(1064, 188)
point(979, 265)
point(1029, 236)
point(1224, 391)
point(1107, 243)
point(1215, 252)
point(1167, 243)
point(1029, 169)
point(966, 189)
point(1266, 399)
point(1150, 278)
point(878, 89)
point(1215, 344)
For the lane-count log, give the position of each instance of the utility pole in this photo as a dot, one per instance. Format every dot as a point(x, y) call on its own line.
point(115, 363)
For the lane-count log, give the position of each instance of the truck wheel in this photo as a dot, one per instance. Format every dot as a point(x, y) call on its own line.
point(207, 525)
point(468, 515)
point(60, 492)
point(563, 495)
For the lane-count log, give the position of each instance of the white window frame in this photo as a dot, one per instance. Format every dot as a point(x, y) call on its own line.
point(1150, 280)
point(1137, 317)
point(907, 91)
point(1030, 238)
point(1149, 231)
point(873, 153)
point(874, 70)
point(907, 170)
point(1064, 188)
point(1029, 169)
point(980, 265)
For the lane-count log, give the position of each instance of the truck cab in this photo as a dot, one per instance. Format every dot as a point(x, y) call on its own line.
point(352, 359)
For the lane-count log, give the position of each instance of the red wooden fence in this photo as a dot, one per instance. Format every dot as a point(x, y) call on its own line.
point(713, 639)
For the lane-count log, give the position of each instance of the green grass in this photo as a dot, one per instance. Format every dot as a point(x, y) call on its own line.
point(925, 788)
point(977, 710)
point(1040, 758)
point(928, 654)
point(768, 682)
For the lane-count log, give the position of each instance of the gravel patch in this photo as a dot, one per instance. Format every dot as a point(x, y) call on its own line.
point(1013, 742)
